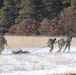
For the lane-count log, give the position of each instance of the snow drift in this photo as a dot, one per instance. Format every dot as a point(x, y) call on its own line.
point(39, 62)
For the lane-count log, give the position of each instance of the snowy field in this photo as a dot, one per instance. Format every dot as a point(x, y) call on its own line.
point(39, 62)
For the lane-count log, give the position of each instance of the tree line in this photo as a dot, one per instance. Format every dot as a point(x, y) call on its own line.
point(38, 17)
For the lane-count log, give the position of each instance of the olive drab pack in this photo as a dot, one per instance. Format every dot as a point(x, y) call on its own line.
point(68, 40)
point(50, 41)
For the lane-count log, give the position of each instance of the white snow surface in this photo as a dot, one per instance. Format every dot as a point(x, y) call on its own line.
point(38, 62)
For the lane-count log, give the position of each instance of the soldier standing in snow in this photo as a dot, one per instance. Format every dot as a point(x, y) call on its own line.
point(61, 43)
point(2, 42)
point(67, 43)
point(51, 43)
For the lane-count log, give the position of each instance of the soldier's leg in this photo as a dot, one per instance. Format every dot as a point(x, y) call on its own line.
point(65, 47)
point(68, 48)
point(1, 49)
point(60, 47)
point(51, 48)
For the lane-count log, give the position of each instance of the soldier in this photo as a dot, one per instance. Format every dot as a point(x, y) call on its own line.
point(51, 43)
point(61, 43)
point(67, 43)
point(2, 42)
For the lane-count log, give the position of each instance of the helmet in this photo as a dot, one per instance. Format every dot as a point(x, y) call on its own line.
point(54, 38)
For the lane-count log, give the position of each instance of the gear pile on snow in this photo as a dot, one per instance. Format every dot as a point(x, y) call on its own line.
point(20, 52)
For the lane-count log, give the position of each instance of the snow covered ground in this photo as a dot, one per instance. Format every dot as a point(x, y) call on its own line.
point(39, 62)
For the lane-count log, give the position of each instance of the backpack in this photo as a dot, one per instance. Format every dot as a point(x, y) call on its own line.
point(50, 42)
point(68, 40)
point(61, 42)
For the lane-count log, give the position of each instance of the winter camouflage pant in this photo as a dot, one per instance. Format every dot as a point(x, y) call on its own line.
point(51, 47)
point(60, 47)
point(67, 46)
point(1, 48)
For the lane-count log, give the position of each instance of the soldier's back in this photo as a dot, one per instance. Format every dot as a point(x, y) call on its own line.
point(68, 39)
point(61, 42)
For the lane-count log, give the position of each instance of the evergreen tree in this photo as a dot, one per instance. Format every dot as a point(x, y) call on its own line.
point(17, 7)
point(66, 3)
point(73, 4)
point(47, 8)
point(30, 9)
point(1, 3)
point(37, 8)
point(52, 8)
point(27, 9)
point(57, 7)
point(9, 12)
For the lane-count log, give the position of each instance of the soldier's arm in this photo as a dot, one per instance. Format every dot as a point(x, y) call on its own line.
point(57, 41)
point(5, 41)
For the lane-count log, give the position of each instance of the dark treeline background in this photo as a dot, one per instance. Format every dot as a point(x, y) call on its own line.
point(38, 17)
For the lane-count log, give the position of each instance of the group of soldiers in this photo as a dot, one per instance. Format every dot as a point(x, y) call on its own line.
point(63, 42)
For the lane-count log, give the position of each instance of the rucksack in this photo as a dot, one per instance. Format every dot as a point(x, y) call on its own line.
point(68, 40)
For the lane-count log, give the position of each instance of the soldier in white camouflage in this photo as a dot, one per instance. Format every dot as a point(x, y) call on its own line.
point(68, 43)
point(61, 44)
point(2, 42)
point(51, 43)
